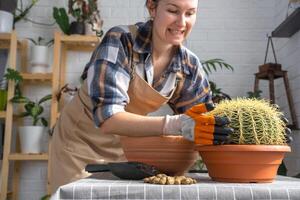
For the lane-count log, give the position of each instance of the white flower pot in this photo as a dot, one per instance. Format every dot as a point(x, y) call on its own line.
point(31, 139)
point(89, 29)
point(39, 59)
point(6, 22)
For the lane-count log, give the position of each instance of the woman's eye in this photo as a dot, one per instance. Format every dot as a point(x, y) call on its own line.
point(172, 11)
point(190, 13)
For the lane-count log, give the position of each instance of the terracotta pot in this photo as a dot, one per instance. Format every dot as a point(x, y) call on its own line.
point(243, 163)
point(172, 155)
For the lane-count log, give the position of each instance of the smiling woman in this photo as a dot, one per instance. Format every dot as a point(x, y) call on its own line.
point(172, 22)
point(134, 71)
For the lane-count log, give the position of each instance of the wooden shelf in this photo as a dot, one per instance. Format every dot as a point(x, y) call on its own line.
point(37, 76)
point(289, 26)
point(2, 114)
point(80, 42)
point(19, 156)
point(80, 39)
point(5, 41)
point(5, 36)
point(9, 193)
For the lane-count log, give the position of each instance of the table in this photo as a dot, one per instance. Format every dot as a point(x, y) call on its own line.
point(110, 187)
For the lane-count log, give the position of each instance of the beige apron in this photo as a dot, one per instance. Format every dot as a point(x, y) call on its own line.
point(76, 142)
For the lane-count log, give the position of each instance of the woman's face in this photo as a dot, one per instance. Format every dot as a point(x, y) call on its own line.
point(173, 20)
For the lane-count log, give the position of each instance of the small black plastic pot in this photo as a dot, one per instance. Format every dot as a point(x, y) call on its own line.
point(77, 28)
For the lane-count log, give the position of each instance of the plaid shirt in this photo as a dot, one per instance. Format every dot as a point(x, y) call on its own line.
point(108, 72)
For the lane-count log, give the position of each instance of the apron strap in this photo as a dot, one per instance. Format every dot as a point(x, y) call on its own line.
point(133, 31)
point(177, 89)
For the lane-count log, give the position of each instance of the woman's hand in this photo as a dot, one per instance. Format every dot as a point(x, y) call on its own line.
point(195, 126)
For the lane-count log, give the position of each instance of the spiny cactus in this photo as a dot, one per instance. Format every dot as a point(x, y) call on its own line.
point(254, 121)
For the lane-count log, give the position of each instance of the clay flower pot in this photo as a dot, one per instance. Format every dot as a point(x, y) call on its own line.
point(172, 155)
point(243, 163)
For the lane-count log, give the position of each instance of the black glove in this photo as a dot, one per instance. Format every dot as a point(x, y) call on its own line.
point(288, 131)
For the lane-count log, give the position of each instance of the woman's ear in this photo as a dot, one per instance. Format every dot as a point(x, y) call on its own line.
point(151, 8)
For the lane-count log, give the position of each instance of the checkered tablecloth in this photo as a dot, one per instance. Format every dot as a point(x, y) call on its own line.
point(110, 187)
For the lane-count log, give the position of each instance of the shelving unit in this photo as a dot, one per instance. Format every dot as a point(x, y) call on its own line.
point(56, 79)
point(18, 156)
point(9, 41)
point(63, 44)
point(37, 77)
point(2, 114)
point(289, 26)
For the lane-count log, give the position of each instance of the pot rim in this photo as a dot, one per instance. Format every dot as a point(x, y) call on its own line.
point(243, 147)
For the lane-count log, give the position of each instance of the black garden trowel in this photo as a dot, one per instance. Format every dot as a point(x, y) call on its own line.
point(125, 170)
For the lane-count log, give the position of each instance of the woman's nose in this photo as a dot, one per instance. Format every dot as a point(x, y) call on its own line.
point(181, 20)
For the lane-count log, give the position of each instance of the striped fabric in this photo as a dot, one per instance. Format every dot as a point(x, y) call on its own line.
point(109, 71)
point(111, 188)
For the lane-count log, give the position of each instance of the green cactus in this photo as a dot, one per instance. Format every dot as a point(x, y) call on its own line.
point(254, 121)
point(62, 19)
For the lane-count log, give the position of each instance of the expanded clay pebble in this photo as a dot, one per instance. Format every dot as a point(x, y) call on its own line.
point(163, 179)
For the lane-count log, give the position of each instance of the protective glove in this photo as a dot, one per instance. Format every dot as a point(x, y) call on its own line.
point(202, 129)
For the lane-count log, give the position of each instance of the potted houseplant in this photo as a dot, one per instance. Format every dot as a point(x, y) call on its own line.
point(6, 21)
point(9, 75)
point(10, 14)
point(93, 22)
point(211, 65)
point(31, 136)
point(255, 149)
point(6, 15)
point(85, 12)
point(86, 15)
point(39, 55)
point(21, 11)
point(76, 9)
point(62, 19)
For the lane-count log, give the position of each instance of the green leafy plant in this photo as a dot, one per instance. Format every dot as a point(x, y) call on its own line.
point(41, 41)
point(9, 75)
point(15, 76)
point(82, 10)
point(212, 65)
point(21, 12)
point(62, 19)
point(32, 109)
point(217, 94)
point(46, 197)
point(256, 94)
point(254, 121)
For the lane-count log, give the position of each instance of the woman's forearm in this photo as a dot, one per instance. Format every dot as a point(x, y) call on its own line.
point(129, 124)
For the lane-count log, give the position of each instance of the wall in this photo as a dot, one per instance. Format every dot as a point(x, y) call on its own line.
point(234, 30)
point(288, 51)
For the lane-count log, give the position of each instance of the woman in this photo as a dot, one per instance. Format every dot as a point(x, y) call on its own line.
point(134, 71)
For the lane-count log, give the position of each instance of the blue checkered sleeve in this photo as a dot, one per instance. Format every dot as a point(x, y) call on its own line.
point(108, 76)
